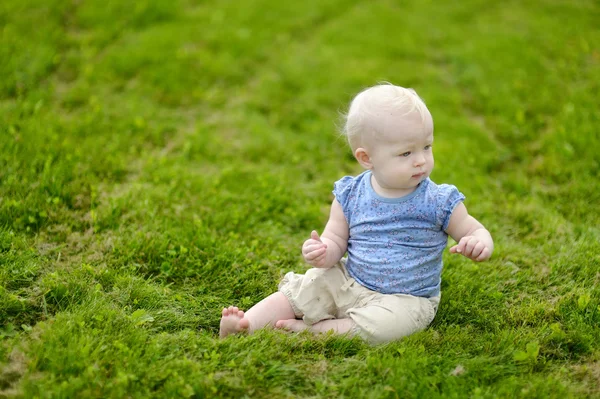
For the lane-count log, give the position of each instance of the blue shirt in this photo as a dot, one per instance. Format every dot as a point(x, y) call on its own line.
point(395, 244)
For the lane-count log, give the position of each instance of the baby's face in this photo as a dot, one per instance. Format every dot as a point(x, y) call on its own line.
point(401, 152)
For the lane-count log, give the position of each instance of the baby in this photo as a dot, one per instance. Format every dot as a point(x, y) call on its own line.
point(391, 220)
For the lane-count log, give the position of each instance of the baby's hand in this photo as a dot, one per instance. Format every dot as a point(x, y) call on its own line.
point(473, 248)
point(314, 250)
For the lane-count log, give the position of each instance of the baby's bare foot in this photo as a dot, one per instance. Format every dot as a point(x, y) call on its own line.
point(294, 325)
point(232, 321)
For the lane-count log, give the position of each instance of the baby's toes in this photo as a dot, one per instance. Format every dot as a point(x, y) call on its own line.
point(244, 324)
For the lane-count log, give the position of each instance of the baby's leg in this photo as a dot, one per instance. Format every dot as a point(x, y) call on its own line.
point(265, 313)
point(387, 318)
point(338, 326)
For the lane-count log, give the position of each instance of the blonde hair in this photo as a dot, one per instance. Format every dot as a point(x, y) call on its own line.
point(374, 102)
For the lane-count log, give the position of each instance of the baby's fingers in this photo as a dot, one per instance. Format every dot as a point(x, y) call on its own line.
point(312, 247)
point(473, 248)
point(479, 247)
point(460, 247)
point(311, 256)
point(470, 247)
point(315, 236)
point(485, 255)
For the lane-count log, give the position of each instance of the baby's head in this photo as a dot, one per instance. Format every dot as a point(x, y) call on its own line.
point(390, 131)
point(382, 110)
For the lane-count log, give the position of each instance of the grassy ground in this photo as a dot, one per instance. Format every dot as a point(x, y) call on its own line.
point(161, 159)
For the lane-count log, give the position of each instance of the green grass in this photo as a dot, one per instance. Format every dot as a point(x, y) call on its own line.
point(162, 159)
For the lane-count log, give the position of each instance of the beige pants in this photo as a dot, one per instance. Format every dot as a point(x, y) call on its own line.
point(323, 294)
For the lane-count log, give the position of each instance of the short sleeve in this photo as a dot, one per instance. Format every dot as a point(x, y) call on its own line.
point(448, 197)
point(342, 189)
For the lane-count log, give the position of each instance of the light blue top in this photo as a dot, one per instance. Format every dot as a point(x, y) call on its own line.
point(396, 244)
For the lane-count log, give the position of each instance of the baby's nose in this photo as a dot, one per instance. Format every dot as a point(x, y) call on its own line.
point(419, 160)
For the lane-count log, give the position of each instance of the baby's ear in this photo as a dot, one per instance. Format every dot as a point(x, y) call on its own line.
point(363, 158)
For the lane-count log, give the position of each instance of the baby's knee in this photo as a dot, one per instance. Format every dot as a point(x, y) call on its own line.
point(382, 323)
point(319, 280)
point(313, 294)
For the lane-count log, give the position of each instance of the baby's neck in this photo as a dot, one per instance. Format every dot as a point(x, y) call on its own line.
point(390, 192)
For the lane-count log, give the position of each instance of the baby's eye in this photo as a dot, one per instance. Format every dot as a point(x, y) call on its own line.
point(428, 147)
point(406, 154)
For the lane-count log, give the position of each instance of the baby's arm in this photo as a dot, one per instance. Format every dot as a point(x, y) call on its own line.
point(474, 241)
point(327, 250)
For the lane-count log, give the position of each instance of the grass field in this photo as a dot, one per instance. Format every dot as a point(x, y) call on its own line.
point(162, 159)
